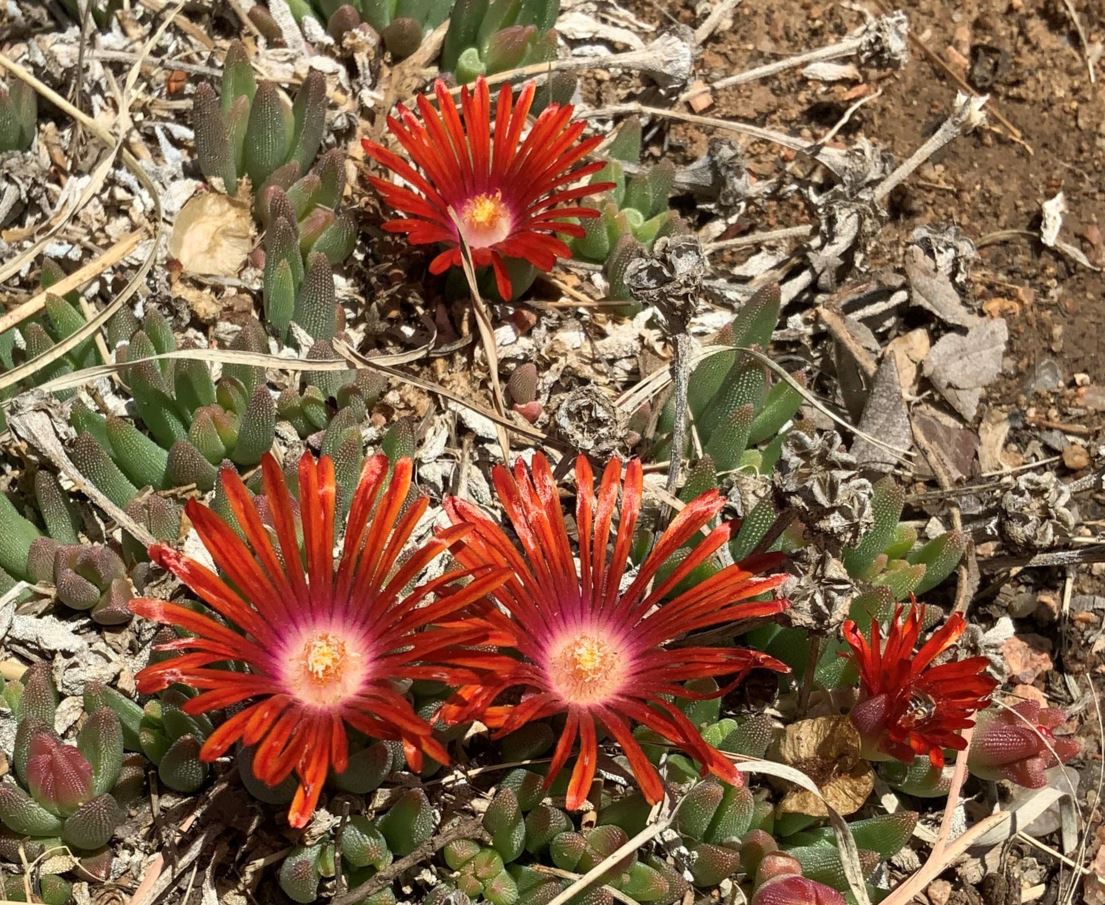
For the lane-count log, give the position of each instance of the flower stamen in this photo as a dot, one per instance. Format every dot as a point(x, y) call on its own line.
point(586, 668)
point(324, 657)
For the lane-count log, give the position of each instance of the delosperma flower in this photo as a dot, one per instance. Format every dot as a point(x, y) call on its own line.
point(483, 184)
point(589, 648)
point(322, 644)
point(909, 707)
point(1019, 744)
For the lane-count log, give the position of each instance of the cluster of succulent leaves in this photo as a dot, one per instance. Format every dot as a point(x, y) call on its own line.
point(526, 849)
point(490, 36)
point(61, 796)
point(61, 318)
point(634, 212)
point(250, 130)
point(401, 24)
point(18, 116)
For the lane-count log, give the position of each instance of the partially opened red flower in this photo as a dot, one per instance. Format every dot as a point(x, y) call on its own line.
point(502, 194)
point(1019, 744)
point(322, 644)
point(908, 706)
point(593, 644)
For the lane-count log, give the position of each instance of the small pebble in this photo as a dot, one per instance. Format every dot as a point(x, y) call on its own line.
point(1075, 457)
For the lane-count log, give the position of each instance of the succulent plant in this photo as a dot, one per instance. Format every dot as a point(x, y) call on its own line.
point(18, 116)
point(360, 849)
point(90, 577)
point(401, 24)
point(298, 280)
point(489, 36)
point(194, 424)
point(50, 889)
point(62, 317)
point(61, 793)
point(634, 213)
point(249, 129)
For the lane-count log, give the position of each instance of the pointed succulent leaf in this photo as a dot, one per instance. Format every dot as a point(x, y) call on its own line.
point(543, 824)
point(299, 873)
point(279, 298)
point(59, 777)
point(822, 864)
point(713, 863)
point(62, 522)
point(97, 695)
point(647, 192)
point(65, 320)
point(730, 438)
point(22, 814)
point(504, 821)
point(630, 812)
point(940, 556)
point(459, 852)
point(399, 441)
point(101, 742)
point(281, 794)
point(566, 849)
point(363, 845)
point(193, 385)
point(699, 806)
point(408, 823)
point(733, 816)
point(53, 890)
point(756, 320)
point(527, 786)
point(464, 25)
point(901, 579)
point(94, 463)
point(238, 79)
point(181, 768)
point(368, 768)
point(214, 151)
point(901, 542)
point(269, 133)
point(316, 306)
point(920, 779)
point(780, 405)
point(330, 171)
point(887, 501)
point(186, 465)
point(257, 430)
point(336, 239)
point(309, 119)
point(643, 883)
point(40, 697)
point(251, 338)
point(140, 459)
point(16, 536)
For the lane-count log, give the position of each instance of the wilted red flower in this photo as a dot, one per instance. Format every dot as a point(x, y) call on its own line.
point(322, 645)
point(1014, 744)
point(910, 707)
point(590, 648)
point(502, 194)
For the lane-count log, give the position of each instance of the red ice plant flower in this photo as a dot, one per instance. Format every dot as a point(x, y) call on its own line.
point(500, 194)
point(322, 645)
point(909, 707)
point(1019, 744)
point(588, 647)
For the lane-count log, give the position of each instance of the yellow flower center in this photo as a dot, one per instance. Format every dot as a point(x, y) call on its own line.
point(324, 666)
point(485, 220)
point(324, 657)
point(484, 211)
point(586, 668)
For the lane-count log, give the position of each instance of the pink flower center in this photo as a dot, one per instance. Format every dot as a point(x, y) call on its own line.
point(586, 668)
point(324, 668)
point(485, 220)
